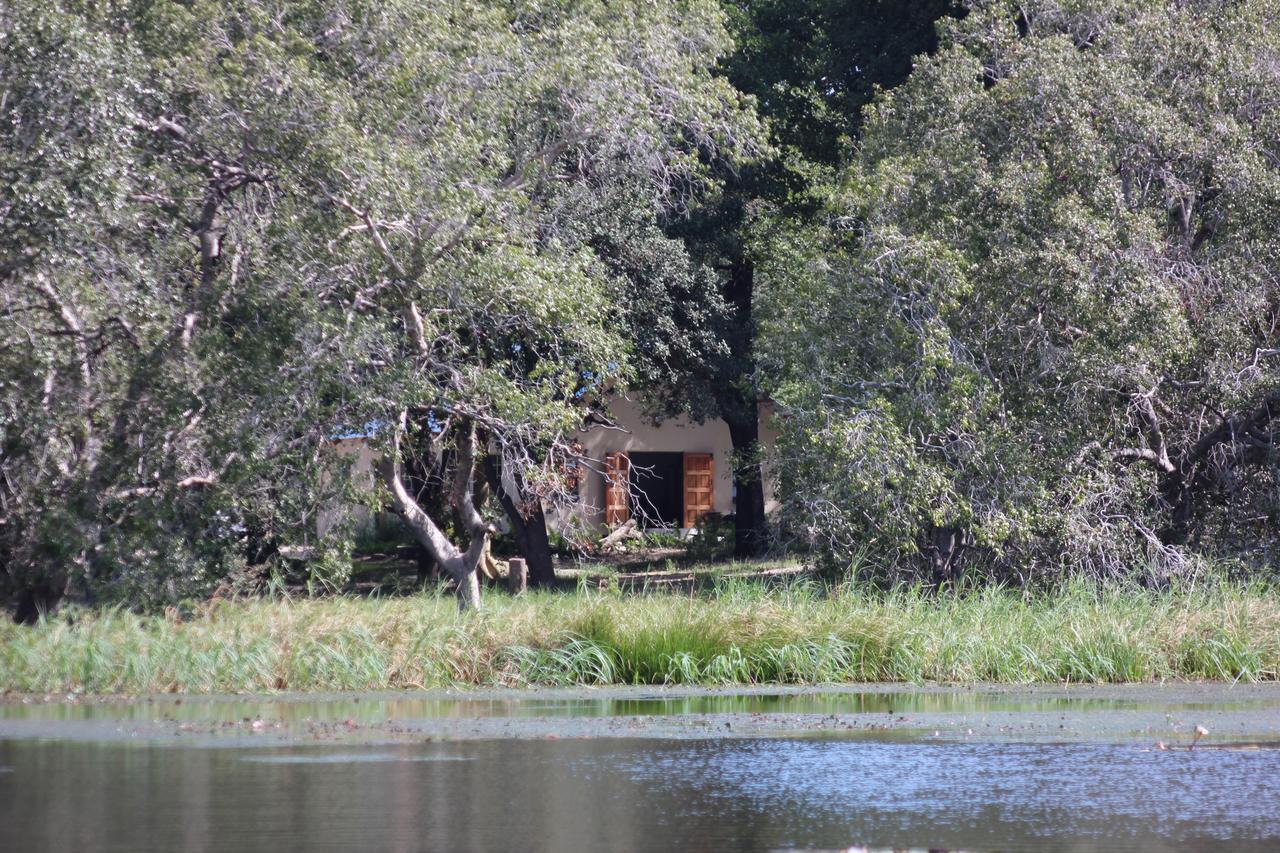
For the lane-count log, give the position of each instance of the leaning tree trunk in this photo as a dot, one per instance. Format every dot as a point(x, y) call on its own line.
point(1249, 438)
point(456, 563)
point(1244, 438)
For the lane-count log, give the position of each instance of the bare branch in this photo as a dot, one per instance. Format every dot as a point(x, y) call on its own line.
point(372, 228)
point(1133, 454)
point(464, 483)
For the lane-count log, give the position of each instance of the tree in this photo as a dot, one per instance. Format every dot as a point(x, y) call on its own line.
point(321, 216)
point(134, 360)
point(1051, 322)
point(665, 309)
point(811, 65)
point(490, 328)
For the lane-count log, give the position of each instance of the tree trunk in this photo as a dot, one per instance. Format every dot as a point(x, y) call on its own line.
point(428, 568)
point(738, 402)
point(750, 536)
point(41, 598)
point(468, 585)
point(459, 565)
point(529, 528)
point(945, 545)
point(535, 546)
point(1179, 497)
point(34, 603)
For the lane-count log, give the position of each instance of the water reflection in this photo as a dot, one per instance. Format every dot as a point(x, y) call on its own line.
point(379, 708)
point(613, 794)
point(311, 757)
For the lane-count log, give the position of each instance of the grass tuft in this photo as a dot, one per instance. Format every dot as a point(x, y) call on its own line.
point(737, 633)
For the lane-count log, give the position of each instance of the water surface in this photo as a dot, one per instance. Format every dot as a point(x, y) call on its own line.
point(647, 770)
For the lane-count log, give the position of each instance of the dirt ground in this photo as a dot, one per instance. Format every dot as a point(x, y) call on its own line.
point(635, 569)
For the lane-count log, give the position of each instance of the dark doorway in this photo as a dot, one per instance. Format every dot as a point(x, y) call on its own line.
point(657, 489)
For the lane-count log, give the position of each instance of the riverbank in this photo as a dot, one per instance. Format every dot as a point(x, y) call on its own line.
point(736, 633)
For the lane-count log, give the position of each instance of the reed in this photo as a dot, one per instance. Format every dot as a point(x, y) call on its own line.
point(737, 632)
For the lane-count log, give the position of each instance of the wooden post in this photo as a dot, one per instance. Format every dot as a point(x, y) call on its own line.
point(517, 575)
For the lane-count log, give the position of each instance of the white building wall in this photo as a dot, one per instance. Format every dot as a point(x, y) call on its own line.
point(638, 433)
point(362, 459)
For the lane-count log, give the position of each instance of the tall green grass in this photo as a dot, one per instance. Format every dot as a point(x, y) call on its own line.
point(738, 633)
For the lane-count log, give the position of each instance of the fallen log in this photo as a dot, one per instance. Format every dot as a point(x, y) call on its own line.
point(627, 530)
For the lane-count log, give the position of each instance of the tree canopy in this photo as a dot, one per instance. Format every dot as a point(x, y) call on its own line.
point(1009, 269)
point(318, 216)
point(1049, 331)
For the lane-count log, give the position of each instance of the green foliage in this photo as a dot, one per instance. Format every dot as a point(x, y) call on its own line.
point(1027, 323)
point(739, 633)
point(713, 539)
point(1049, 279)
point(814, 64)
point(667, 307)
point(232, 229)
point(330, 569)
point(127, 468)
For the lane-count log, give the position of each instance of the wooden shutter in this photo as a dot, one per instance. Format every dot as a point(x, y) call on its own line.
point(617, 491)
point(699, 490)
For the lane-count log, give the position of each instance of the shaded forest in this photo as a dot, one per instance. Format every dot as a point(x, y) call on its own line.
point(1010, 271)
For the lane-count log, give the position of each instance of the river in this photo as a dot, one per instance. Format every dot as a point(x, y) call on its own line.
point(647, 769)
